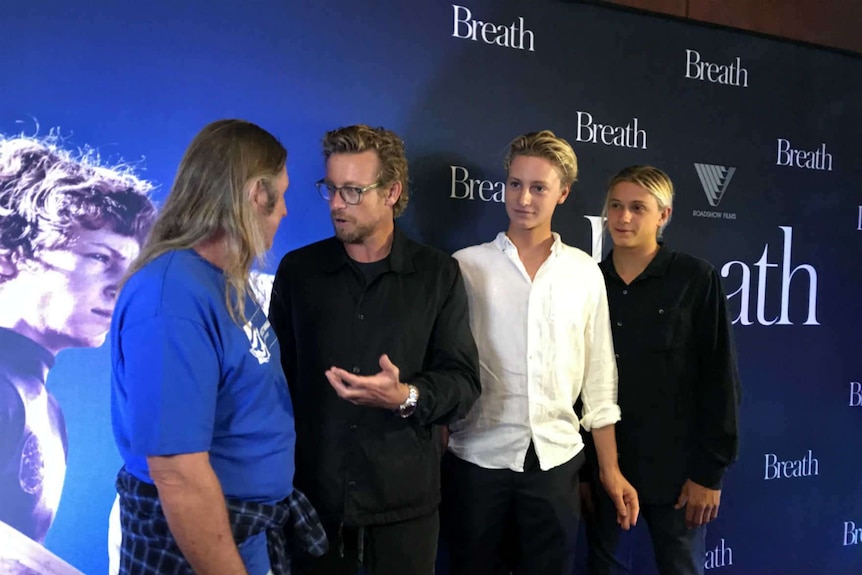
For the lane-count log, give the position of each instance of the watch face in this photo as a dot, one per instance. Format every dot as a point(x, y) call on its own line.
point(409, 406)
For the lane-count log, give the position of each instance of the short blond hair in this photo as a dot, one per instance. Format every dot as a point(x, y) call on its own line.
point(390, 150)
point(650, 178)
point(545, 144)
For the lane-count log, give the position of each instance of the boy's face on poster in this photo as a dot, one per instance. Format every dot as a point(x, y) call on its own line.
point(65, 296)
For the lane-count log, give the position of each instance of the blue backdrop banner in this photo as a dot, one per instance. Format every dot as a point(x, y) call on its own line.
point(758, 135)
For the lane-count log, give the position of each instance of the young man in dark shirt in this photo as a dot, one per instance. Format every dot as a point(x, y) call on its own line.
point(377, 349)
point(678, 382)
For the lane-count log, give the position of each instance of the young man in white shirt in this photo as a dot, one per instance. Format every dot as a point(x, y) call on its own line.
point(539, 314)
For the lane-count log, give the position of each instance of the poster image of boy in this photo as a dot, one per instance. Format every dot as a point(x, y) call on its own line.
point(69, 227)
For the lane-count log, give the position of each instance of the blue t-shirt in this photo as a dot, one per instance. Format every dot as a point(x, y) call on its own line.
point(186, 378)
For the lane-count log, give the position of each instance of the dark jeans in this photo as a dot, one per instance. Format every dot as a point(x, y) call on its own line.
point(678, 549)
point(403, 548)
point(494, 521)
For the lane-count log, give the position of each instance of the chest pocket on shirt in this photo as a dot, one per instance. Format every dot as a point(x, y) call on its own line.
point(663, 328)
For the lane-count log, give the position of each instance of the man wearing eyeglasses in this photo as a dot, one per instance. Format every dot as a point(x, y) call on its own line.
point(378, 353)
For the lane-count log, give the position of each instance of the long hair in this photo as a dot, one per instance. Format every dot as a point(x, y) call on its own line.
point(209, 197)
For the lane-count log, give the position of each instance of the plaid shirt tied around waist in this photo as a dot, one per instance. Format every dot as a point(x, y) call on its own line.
point(148, 548)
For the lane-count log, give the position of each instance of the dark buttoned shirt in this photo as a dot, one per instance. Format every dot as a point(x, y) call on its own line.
point(678, 381)
point(366, 465)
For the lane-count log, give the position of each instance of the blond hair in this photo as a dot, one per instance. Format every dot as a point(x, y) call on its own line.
point(651, 179)
point(545, 144)
point(209, 197)
point(390, 150)
point(47, 194)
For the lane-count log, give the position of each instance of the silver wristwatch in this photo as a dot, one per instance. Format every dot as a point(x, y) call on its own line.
point(409, 406)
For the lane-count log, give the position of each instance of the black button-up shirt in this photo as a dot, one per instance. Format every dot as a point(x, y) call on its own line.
point(364, 465)
point(678, 381)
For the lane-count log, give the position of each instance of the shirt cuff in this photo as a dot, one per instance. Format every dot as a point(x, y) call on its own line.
point(601, 417)
point(706, 475)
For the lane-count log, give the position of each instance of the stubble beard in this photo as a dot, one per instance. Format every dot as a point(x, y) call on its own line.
point(357, 235)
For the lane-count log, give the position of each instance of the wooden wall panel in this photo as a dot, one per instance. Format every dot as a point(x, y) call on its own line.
point(671, 7)
point(831, 23)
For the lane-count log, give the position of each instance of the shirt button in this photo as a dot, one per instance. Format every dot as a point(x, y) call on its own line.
point(616, 355)
point(619, 324)
point(355, 370)
point(351, 484)
point(625, 292)
point(660, 310)
point(360, 316)
point(353, 428)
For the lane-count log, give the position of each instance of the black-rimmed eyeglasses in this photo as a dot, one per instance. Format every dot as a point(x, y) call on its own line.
point(350, 194)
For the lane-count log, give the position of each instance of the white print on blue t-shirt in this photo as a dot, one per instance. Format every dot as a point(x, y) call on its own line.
point(187, 378)
point(259, 350)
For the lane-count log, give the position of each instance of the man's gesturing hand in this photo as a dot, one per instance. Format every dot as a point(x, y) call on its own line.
point(383, 390)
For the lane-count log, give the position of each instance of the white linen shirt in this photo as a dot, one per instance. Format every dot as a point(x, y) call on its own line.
point(542, 343)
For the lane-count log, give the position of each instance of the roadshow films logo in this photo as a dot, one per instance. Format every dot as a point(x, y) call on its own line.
point(714, 180)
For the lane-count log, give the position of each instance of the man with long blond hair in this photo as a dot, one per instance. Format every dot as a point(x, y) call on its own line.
point(201, 411)
point(377, 351)
point(539, 312)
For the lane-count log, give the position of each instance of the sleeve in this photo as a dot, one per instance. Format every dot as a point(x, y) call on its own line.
point(449, 386)
point(600, 385)
point(716, 440)
point(589, 470)
point(171, 375)
point(12, 421)
point(281, 320)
